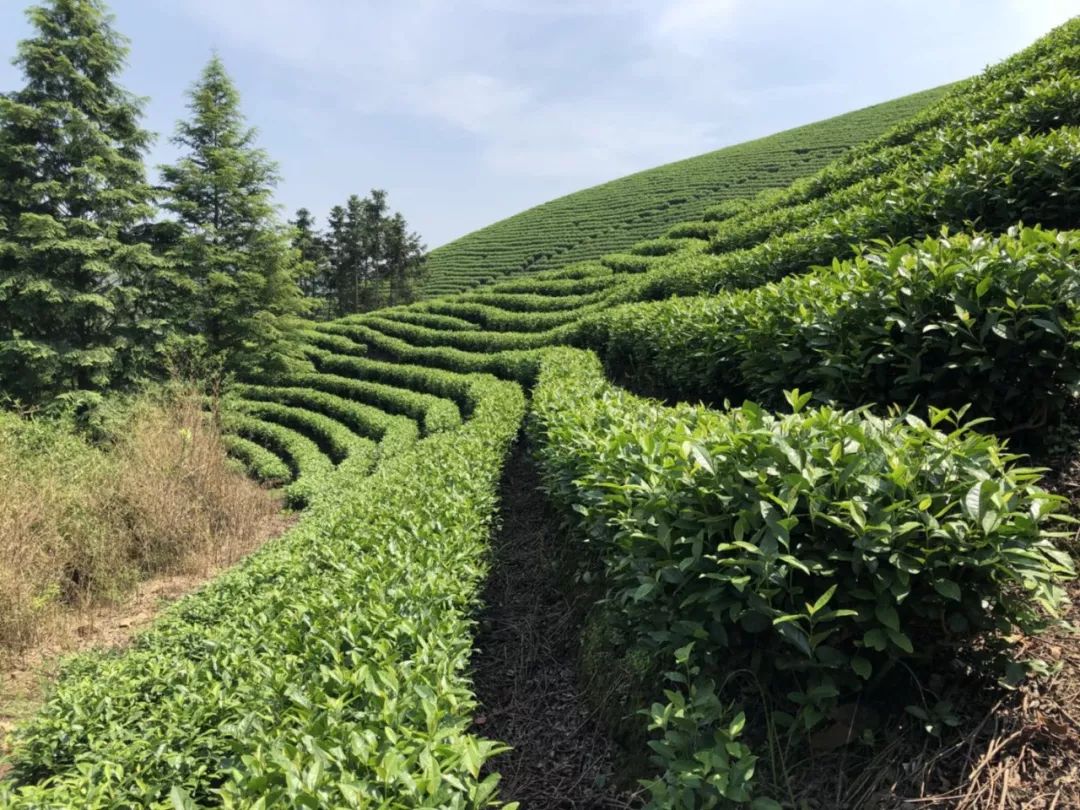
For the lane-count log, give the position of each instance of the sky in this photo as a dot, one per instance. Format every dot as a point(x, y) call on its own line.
point(468, 112)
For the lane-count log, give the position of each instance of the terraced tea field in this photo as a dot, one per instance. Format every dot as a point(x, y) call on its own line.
point(845, 537)
point(613, 216)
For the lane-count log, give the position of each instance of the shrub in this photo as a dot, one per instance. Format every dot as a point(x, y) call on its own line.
point(958, 319)
point(434, 413)
point(309, 466)
point(80, 523)
point(817, 549)
point(259, 462)
point(326, 670)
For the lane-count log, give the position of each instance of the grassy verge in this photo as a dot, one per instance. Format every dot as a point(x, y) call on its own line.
point(82, 522)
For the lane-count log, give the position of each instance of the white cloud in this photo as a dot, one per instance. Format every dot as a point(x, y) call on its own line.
point(593, 88)
point(1036, 17)
point(459, 66)
point(474, 102)
point(692, 24)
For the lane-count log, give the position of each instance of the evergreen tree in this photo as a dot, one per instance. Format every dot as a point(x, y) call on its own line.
point(77, 291)
point(373, 256)
point(337, 241)
point(361, 225)
point(314, 265)
point(403, 258)
point(232, 246)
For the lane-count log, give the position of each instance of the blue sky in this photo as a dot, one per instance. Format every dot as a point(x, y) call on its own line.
point(467, 112)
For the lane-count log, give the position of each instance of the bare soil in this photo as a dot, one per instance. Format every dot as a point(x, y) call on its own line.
point(525, 668)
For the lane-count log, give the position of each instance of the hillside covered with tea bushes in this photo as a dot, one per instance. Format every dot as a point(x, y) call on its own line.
point(613, 216)
point(784, 436)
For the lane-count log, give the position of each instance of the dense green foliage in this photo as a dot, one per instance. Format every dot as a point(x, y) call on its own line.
point(832, 553)
point(814, 550)
point(309, 467)
point(342, 643)
point(611, 217)
point(97, 289)
point(260, 463)
point(372, 257)
point(951, 320)
point(79, 298)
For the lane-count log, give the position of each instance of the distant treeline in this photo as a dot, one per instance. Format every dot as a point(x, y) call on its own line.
point(366, 258)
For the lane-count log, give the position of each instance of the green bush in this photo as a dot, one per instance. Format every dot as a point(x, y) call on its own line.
point(362, 420)
point(495, 319)
point(309, 466)
point(260, 463)
point(994, 322)
point(333, 438)
point(332, 343)
point(422, 380)
point(817, 549)
point(328, 670)
point(433, 413)
point(428, 317)
point(530, 302)
point(519, 365)
point(628, 263)
point(472, 341)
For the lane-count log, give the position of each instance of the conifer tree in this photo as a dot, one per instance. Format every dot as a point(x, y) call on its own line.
point(232, 246)
point(76, 289)
point(373, 256)
point(314, 267)
point(403, 258)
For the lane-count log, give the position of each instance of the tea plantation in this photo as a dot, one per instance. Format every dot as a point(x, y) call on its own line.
point(613, 216)
point(849, 521)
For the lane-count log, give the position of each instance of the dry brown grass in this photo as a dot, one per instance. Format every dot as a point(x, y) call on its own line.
point(184, 507)
point(81, 525)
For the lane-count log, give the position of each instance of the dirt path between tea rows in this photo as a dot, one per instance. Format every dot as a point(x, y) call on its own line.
point(526, 672)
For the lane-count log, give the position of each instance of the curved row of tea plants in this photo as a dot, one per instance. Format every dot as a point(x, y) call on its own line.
point(957, 319)
point(1031, 177)
point(328, 670)
point(612, 216)
point(814, 551)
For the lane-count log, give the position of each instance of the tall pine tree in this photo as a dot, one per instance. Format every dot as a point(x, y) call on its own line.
point(403, 259)
point(232, 246)
point(75, 288)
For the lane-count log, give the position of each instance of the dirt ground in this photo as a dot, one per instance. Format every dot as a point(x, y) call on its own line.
point(525, 667)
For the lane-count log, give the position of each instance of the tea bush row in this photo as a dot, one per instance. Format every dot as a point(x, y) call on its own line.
point(951, 320)
point(432, 413)
point(817, 550)
point(328, 670)
point(310, 467)
point(261, 464)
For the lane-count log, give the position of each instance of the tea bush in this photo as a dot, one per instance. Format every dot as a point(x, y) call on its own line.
point(952, 320)
point(613, 216)
point(328, 670)
point(308, 464)
point(260, 463)
point(434, 413)
point(816, 549)
point(332, 437)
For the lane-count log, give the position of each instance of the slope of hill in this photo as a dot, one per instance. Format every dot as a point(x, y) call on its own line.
point(833, 553)
point(613, 216)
